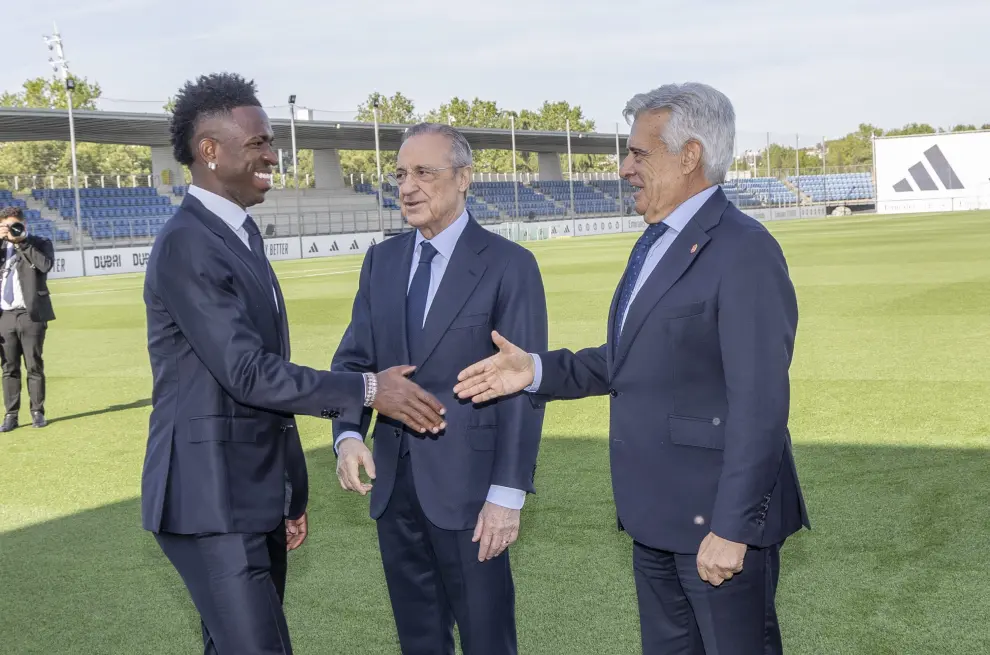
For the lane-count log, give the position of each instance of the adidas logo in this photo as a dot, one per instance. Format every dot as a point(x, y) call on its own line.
point(334, 248)
point(924, 181)
point(354, 245)
point(313, 248)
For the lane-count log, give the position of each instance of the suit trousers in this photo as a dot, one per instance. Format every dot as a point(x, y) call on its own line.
point(21, 336)
point(237, 582)
point(434, 578)
point(681, 614)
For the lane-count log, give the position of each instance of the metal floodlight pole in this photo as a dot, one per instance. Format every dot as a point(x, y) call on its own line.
point(515, 180)
point(797, 165)
point(295, 165)
point(618, 169)
point(61, 66)
point(378, 165)
point(570, 171)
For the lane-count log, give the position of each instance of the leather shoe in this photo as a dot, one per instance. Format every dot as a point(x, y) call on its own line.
point(38, 420)
point(9, 423)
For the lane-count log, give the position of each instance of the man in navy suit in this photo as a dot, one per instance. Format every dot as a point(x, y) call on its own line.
point(447, 506)
point(224, 487)
point(700, 335)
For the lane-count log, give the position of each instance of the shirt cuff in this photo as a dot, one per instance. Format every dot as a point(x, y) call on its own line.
point(506, 497)
point(537, 374)
point(350, 434)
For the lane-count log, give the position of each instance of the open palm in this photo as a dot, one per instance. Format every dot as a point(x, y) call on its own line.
point(508, 371)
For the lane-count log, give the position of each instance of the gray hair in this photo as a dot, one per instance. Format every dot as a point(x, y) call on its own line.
point(698, 112)
point(460, 149)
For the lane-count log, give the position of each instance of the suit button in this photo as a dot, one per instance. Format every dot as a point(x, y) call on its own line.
point(613, 393)
point(716, 421)
point(398, 432)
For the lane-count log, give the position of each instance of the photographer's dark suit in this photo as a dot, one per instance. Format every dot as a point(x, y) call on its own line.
point(25, 310)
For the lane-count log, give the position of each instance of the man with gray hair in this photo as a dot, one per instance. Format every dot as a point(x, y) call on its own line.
point(700, 335)
point(447, 505)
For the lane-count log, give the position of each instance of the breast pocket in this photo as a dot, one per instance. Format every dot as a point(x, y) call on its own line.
point(469, 321)
point(679, 311)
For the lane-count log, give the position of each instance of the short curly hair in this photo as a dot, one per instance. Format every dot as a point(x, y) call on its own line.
point(11, 212)
point(210, 95)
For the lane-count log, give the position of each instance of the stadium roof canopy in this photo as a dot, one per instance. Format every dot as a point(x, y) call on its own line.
point(152, 130)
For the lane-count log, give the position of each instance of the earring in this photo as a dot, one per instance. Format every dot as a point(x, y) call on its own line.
point(212, 165)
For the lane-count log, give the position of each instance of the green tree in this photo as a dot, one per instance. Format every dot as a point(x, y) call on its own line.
point(392, 110)
point(54, 157)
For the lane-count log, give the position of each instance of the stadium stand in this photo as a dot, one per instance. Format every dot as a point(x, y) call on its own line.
point(135, 212)
point(502, 196)
point(587, 199)
point(767, 190)
point(35, 223)
point(838, 187)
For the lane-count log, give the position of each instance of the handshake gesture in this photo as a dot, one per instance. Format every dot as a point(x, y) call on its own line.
point(509, 371)
point(400, 398)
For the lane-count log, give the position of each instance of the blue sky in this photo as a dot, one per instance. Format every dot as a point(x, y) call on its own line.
point(814, 68)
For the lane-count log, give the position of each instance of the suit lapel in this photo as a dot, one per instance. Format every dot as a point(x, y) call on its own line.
point(674, 263)
point(395, 301)
point(464, 271)
point(283, 316)
point(244, 253)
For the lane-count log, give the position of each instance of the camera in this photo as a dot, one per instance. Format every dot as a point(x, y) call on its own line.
point(16, 229)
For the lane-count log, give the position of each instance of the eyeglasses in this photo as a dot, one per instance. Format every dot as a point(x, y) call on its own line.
point(419, 173)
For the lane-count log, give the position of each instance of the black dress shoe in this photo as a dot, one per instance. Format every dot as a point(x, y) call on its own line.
point(38, 420)
point(9, 423)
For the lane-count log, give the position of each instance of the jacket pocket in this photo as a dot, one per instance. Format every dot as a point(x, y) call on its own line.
point(470, 320)
point(700, 432)
point(482, 437)
point(680, 311)
point(224, 428)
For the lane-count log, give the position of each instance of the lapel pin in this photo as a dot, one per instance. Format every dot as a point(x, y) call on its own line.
point(694, 249)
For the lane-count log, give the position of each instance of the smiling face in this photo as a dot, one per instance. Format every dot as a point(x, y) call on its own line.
point(431, 189)
point(240, 144)
point(663, 179)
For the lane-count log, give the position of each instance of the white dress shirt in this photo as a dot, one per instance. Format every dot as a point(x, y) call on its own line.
point(676, 222)
point(10, 269)
point(444, 244)
point(231, 214)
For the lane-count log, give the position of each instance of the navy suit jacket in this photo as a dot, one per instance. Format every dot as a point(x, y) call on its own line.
point(490, 283)
point(699, 388)
point(222, 441)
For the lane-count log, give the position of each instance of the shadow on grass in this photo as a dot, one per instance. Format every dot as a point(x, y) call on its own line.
point(137, 404)
point(894, 564)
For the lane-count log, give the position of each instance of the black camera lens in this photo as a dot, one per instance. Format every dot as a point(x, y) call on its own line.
point(16, 229)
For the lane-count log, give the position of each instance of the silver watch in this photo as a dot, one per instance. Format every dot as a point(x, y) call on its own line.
point(370, 389)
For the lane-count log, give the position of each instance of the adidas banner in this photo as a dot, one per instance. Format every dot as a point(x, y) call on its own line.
point(285, 248)
point(339, 244)
point(933, 172)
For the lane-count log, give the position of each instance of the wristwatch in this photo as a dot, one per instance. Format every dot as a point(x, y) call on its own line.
point(370, 389)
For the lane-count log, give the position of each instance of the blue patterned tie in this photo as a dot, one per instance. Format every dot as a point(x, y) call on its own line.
point(419, 291)
point(633, 268)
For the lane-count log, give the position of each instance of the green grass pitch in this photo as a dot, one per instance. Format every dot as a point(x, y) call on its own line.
point(891, 381)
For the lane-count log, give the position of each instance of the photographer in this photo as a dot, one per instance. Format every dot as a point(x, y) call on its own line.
point(25, 309)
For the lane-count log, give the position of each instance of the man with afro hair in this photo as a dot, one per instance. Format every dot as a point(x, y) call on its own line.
point(224, 485)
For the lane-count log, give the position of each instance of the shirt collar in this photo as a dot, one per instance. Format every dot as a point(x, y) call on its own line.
point(685, 211)
point(446, 240)
point(230, 213)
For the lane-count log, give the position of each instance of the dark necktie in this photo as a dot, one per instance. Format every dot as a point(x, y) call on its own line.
point(8, 285)
point(258, 248)
point(416, 298)
point(419, 289)
point(254, 239)
point(633, 268)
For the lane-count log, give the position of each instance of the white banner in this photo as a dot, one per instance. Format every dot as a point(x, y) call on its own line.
point(286, 248)
point(107, 261)
point(932, 172)
point(591, 226)
point(339, 244)
point(66, 264)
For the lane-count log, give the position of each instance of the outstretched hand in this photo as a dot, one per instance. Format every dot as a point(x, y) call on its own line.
point(404, 400)
point(508, 371)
